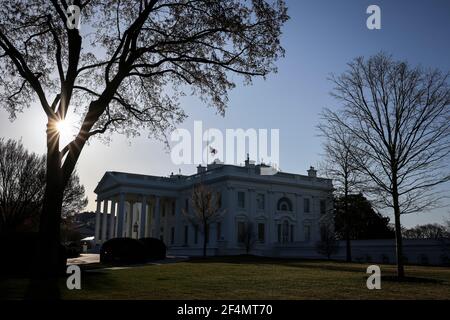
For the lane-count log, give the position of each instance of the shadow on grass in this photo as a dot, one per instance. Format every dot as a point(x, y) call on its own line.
point(411, 280)
point(326, 265)
point(97, 280)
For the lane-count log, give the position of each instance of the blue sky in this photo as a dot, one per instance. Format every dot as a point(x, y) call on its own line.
point(320, 38)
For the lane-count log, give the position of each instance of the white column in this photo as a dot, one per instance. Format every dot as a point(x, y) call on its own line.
point(97, 222)
point(157, 213)
point(149, 224)
point(251, 204)
point(143, 222)
point(178, 227)
point(105, 221)
point(130, 220)
point(271, 226)
point(120, 216)
point(229, 217)
point(112, 219)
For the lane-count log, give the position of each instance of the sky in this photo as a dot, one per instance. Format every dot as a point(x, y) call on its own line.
point(321, 37)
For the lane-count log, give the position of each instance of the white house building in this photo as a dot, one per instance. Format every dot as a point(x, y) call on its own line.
point(284, 209)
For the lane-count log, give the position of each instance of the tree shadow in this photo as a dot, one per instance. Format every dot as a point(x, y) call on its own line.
point(394, 278)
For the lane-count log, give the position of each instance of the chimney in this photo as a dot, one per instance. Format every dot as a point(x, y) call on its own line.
point(201, 169)
point(312, 172)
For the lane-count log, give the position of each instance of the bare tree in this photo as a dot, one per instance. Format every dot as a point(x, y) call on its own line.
point(248, 237)
point(206, 210)
point(400, 116)
point(125, 70)
point(339, 164)
point(328, 244)
point(426, 231)
point(22, 185)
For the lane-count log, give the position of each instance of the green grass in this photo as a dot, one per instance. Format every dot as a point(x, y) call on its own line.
point(254, 278)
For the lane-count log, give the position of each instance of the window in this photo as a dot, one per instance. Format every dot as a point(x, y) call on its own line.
point(307, 231)
point(186, 205)
point(261, 232)
point(284, 204)
point(161, 234)
point(172, 235)
point(207, 233)
point(279, 233)
point(163, 211)
point(241, 232)
point(196, 234)
point(306, 205)
point(323, 206)
point(186, 235)
point(241, 199)
point(173, 208)
point(219, 231)
point(260, 201)
point(291, 235)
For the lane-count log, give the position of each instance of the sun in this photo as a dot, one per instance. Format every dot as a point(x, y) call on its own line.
point(63, 127)
point(66, 130)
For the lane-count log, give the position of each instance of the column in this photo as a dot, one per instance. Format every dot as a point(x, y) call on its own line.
point(105, 221)
point(251, 204)
point(178, 227)
point(143, 222)
point(271, 226)
point(120, 216)
point(299, 215)
point(157, 229)
point(97, 222)
point(112, 219)
point(229, 218)
point(130, 220)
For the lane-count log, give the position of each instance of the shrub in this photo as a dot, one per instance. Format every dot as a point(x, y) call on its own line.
point(19, 250)
point(73, 250)
point(155, 249)
point(122, 250)
point(423, 259)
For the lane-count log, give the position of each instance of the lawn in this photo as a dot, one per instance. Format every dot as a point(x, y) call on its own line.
point(254, 278)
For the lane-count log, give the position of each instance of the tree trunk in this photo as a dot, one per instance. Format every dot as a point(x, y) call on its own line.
point(48, 261)
point(205, 238)
point(398, 238)
point(398, 226)
point(348, 246)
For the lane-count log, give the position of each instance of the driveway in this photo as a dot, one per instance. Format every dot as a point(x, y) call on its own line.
point(85, 258)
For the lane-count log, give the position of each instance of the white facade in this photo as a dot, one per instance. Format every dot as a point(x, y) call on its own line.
point(284, 210)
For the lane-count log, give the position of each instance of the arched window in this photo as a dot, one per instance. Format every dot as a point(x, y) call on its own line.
point(284, 204)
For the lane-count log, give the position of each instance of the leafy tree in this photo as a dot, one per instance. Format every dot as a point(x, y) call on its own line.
point(206, 210)
point(360, 221)
point(22, 185)
point(124, 70)
point(399, 116)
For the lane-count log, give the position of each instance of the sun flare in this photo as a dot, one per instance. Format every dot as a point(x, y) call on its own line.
point(62, 127)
